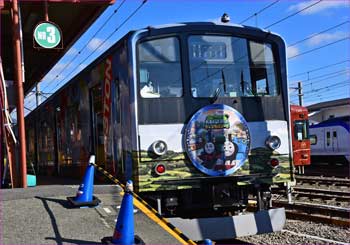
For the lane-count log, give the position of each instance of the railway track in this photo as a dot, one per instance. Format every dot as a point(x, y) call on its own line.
point(317, 198)
point(315, 212)
point(324, 181)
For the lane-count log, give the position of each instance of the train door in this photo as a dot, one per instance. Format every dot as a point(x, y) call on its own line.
point(96, 110)
point(335, 141)
point(331, 140)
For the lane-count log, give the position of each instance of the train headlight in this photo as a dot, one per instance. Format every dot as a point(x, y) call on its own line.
point(159, 147)
point(273, 142)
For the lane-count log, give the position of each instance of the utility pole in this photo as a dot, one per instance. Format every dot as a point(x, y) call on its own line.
point(37, 94)
point(300, 93)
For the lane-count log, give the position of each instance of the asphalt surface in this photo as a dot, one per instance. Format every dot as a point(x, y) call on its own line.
point(41, 215)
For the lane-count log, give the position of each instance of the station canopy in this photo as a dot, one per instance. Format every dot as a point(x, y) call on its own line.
point(72, 16)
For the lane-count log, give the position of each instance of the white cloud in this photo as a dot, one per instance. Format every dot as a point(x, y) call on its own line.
point(56, 70)
point(324, 5)
point(82, 66)
point(98, 44)
point(327, 37)
point(292, 51)
point(94, 43)
point(72, 51)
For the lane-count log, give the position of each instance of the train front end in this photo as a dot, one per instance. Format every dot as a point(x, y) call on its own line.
point(211, 126)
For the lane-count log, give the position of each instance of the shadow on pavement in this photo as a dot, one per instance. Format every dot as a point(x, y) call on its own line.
point(70, 241)
point(58, 238)
point(63, 203)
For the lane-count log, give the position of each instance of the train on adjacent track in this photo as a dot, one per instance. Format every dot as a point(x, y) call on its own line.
point(330, 140)
point(300, 137)
point(196, 114)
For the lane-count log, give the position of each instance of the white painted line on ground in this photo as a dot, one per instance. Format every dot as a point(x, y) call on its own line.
point(314, 237)
point(105, 223)
point(107, 210)
point(135, 210)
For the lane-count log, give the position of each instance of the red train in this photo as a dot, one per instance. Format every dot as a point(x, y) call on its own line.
point(300, 137)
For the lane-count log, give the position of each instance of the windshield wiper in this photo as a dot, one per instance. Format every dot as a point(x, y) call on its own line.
point(218, 89)
point(245, 88)
point(223, 79)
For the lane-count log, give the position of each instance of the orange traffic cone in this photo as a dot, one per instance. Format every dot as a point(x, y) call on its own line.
point(124, 229)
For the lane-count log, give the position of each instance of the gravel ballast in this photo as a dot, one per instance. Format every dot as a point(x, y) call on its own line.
point(326, 233)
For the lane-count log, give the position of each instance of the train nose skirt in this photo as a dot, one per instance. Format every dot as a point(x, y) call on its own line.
point(264, 221)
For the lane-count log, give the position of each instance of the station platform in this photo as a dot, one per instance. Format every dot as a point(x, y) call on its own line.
point(41, 215)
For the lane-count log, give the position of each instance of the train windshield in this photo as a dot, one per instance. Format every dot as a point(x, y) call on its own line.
point(301, 129)
point(160, 68)
point(226, 66)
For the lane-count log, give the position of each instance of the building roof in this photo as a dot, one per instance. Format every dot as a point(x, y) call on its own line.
point(327, 104)
point(74, 17)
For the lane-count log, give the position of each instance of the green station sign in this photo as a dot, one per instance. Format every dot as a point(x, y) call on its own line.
point(47, 35)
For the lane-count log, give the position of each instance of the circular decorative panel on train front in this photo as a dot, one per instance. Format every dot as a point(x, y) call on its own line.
point(217, 140)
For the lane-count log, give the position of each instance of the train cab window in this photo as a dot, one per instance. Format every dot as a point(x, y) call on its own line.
point(313, 139)
point(301, 129)
point(262, 69)
point(160, 72)
point(230, 67)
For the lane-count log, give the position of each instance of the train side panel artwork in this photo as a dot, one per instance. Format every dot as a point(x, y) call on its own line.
point(330, 140)
point(196, 114)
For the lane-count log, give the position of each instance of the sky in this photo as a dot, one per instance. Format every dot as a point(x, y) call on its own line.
point(321, 62)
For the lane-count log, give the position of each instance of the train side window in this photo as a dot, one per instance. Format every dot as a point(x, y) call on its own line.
point(160, 72)
point(313, 139)
point(328, 138)
point(334, 134)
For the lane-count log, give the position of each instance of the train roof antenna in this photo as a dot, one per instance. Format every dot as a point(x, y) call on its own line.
point(225, 18)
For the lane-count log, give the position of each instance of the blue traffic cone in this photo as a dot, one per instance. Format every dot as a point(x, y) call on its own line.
point(207, 242)
point(84, 196)
point(124, 229)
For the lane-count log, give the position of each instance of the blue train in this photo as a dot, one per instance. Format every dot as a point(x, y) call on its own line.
point(330, 140)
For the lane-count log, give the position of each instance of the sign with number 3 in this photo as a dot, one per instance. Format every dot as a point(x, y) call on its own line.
point(47, 35)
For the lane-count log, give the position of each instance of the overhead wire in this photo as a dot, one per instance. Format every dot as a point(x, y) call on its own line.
point(291, 15)
point(268, 6)
point(345, 82)
point(111, 34)
point(325, 76)
point(260, 11)
point(315, 49)
point(327, 93)
point(319, 68)
point(316, 34)
point(322, 94)
point(327, 88)
point(88, 42)
point(319, 98)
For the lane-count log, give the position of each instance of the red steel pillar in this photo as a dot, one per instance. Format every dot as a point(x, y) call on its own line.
point(20, 97)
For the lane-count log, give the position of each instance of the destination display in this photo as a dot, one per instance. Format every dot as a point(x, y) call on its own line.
point(215, 51)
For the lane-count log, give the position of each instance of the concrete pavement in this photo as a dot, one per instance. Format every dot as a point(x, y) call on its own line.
point(40, 215)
